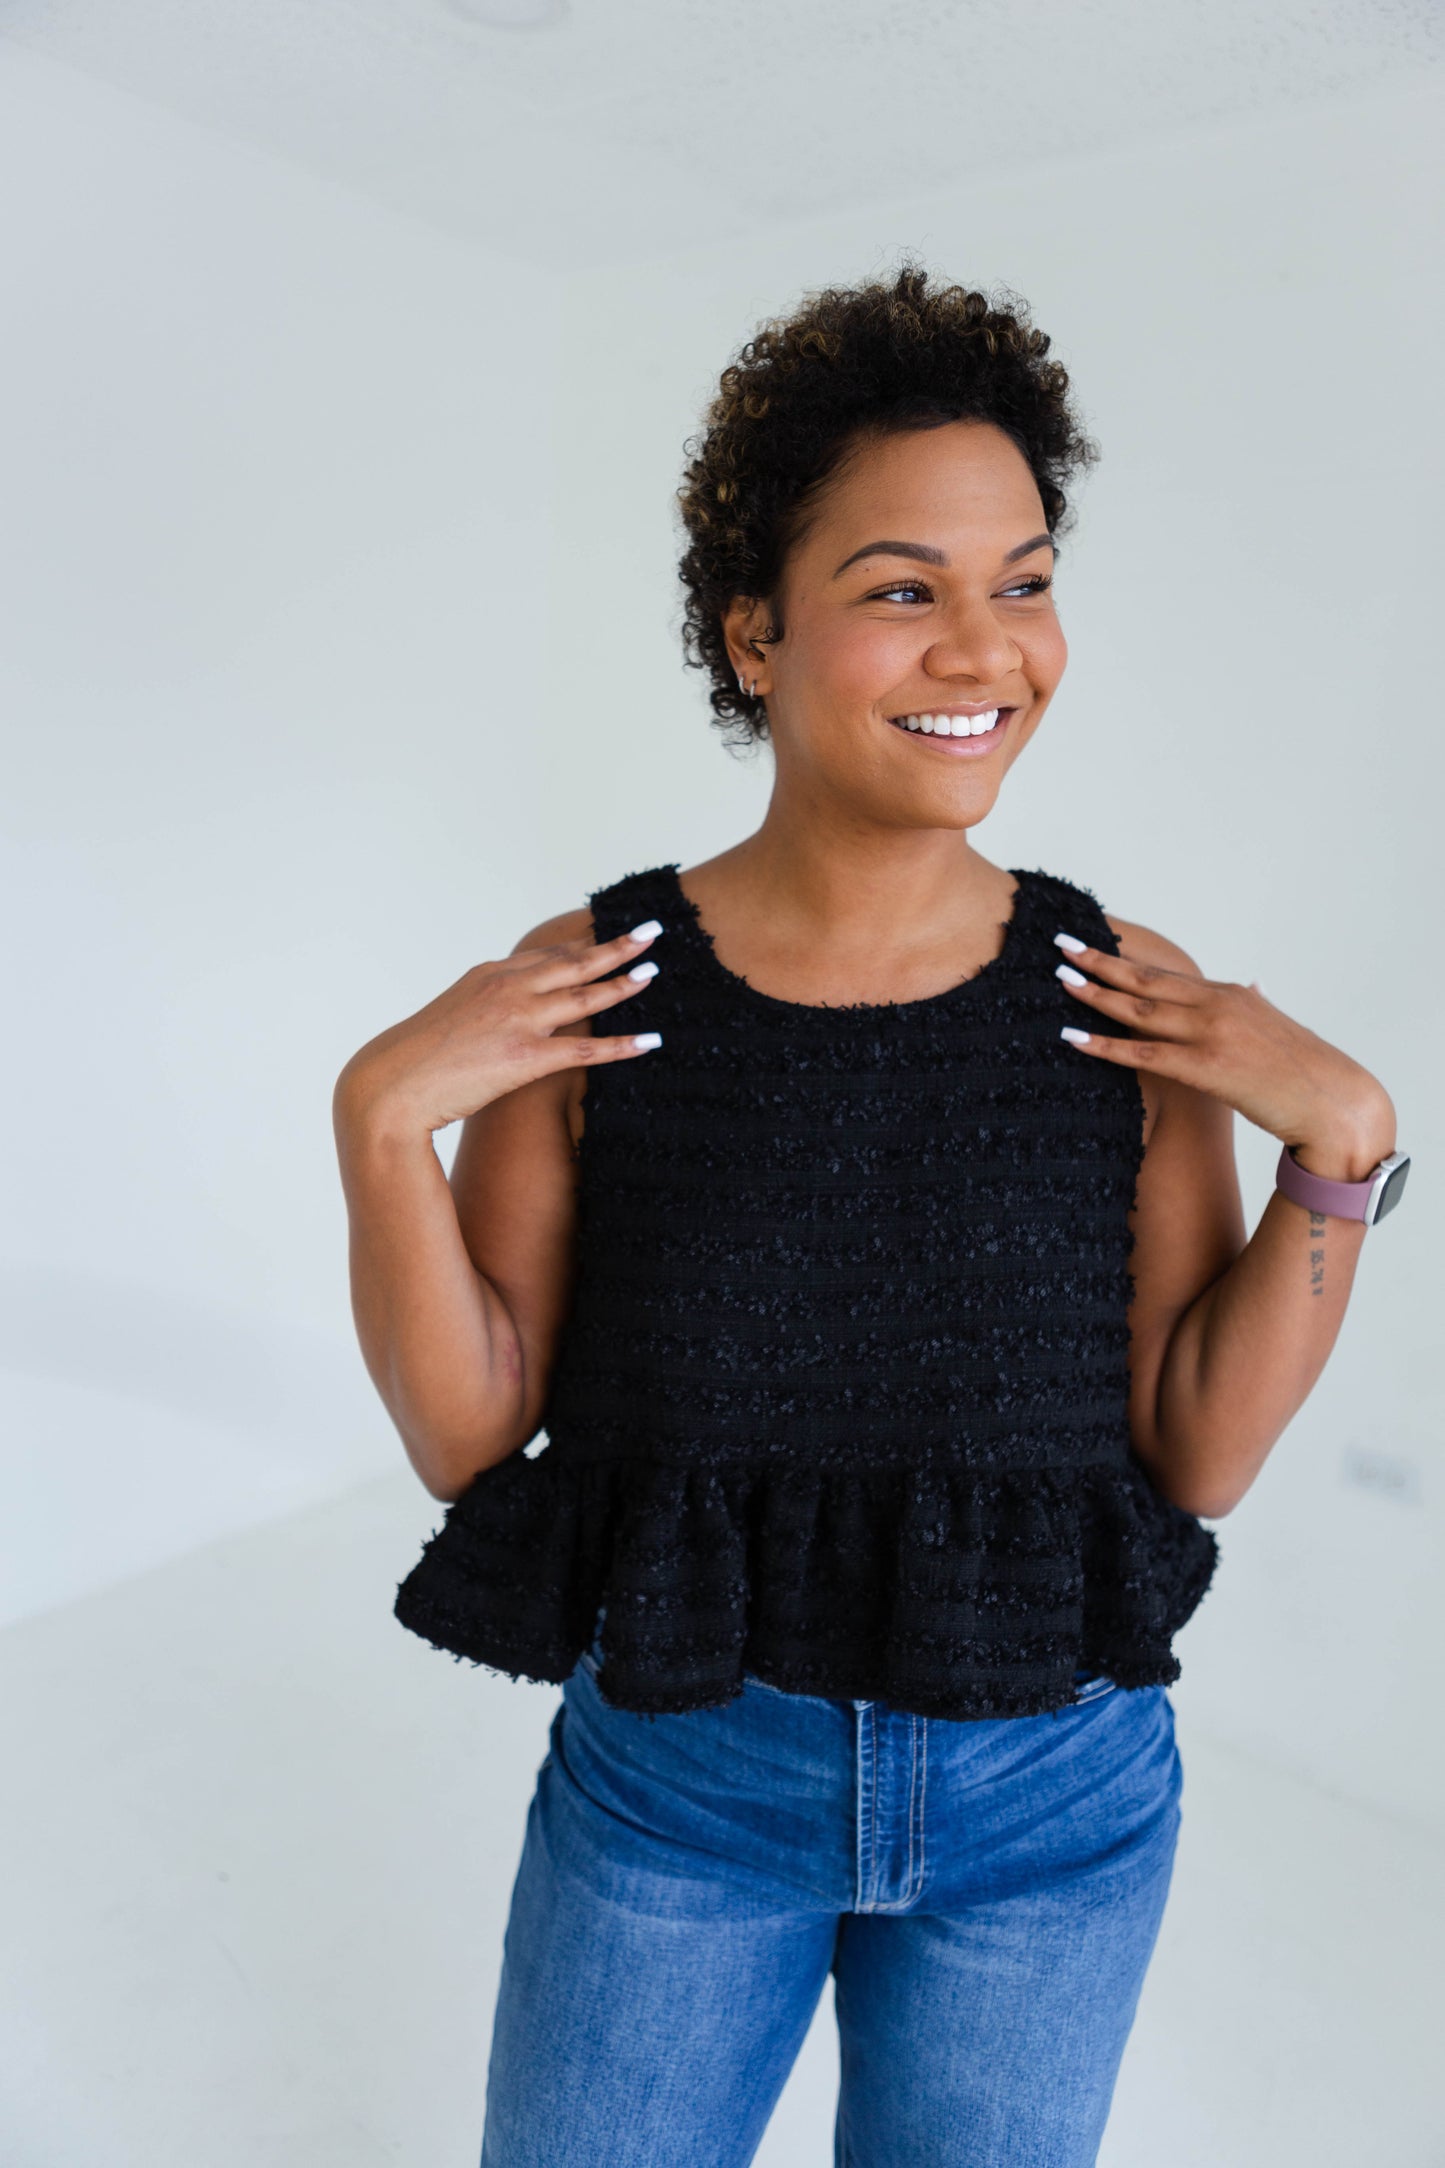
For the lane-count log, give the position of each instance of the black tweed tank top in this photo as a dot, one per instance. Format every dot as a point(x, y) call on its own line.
point(842, 1397)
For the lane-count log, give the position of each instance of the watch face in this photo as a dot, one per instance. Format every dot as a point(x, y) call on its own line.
point(1393, 1190)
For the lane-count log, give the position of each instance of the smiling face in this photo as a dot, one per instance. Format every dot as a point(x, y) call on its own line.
point(916, 601)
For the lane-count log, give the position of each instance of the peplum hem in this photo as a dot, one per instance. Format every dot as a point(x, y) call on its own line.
point(945, 1591)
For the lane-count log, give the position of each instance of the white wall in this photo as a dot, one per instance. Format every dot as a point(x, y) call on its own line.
point(1244, 753)
point(342, 647)
point(276, 474)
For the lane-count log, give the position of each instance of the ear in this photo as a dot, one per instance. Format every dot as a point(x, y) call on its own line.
point(745, 621)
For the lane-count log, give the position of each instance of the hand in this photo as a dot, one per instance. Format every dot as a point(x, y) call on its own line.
point(1233, 1043)
point(500, 1026)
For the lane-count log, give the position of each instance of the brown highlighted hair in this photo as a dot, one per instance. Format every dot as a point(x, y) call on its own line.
point(807, 390)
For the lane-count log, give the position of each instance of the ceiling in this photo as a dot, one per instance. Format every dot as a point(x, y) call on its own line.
point(635, 126)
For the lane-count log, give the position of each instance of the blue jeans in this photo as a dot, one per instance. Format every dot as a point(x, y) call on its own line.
point(985, 1894)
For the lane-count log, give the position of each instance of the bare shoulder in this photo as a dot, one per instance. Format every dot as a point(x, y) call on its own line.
point(521, 1128)
point(1141, 945)
point(1156, 952)
point(568, 1085)
point(566, 926)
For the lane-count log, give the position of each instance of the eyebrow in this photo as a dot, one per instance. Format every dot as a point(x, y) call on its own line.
point(925, 554)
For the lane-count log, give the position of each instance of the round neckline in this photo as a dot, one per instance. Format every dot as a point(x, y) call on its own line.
point(707, 949)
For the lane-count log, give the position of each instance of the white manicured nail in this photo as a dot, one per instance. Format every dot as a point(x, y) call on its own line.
point(647, 1040)
point(640, 973)
point(1069, 942)
point(1070, 976)
point(647, 931)
point(1074, 1036)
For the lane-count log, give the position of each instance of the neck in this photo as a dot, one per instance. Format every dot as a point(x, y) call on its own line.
point(829, 877)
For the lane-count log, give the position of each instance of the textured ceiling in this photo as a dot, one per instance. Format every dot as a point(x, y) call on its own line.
point(637, 125)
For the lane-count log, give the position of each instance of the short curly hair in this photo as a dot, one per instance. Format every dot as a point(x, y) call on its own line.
point(851, 363)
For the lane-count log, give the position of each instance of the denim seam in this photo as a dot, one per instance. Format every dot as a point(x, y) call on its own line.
point(875, 1770)
point(913, 1880)
point(860, 1763)
point(867, 1781)
point(867, 1897)
point(922, 1723)
point(908, 1886)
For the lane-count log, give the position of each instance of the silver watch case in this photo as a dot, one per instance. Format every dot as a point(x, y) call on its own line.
point(1387, 1188)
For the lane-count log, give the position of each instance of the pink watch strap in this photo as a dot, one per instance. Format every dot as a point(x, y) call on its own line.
point(1342, 1200)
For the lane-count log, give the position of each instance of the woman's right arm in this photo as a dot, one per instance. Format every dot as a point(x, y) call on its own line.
point(459, 1288)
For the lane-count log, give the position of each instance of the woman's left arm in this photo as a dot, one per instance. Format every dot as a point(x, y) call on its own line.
point(1227, 1336)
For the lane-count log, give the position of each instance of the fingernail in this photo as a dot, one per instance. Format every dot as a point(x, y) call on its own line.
point(647, 931)
point(1074, 1036)
point(642, 972)
point(647, 1040)
point(1070, 976)
point(1068, 941)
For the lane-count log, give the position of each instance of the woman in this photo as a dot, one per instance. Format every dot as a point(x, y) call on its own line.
point(861, 1220)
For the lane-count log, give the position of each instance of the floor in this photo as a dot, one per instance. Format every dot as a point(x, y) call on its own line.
point(260, 1844)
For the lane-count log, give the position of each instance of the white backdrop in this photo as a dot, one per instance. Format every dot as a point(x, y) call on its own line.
point(277, 475)
point(340, 646)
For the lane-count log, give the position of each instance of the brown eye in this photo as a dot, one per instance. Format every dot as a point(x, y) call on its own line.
point(903, 587)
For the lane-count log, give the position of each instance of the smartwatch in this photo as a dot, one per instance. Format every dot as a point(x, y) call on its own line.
point(1370, 1200)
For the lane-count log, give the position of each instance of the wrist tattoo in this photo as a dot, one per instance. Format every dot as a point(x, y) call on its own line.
point(1317, 1253)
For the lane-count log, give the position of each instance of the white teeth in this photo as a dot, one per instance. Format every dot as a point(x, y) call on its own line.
point(952, 726)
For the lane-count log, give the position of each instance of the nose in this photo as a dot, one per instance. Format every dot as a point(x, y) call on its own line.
point(974, 643)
